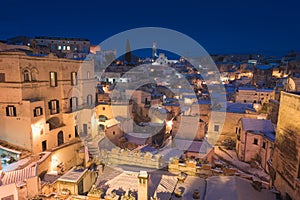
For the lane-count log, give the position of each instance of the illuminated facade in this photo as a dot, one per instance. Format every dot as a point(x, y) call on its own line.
point(45, 101)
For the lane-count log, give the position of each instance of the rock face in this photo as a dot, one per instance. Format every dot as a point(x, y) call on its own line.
point(285, 161)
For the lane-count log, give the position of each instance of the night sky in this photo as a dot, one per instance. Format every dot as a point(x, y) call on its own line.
point(223, 26)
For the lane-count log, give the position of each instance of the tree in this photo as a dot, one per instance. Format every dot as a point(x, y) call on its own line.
point(128, 52)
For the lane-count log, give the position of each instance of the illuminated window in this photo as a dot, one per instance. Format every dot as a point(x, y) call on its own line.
point(59, 47)
point(73, 78)
point(11, 111)
point(53, 106)
point(38, 111)
point(64, 47)
point(68, 48)
point(53, 79)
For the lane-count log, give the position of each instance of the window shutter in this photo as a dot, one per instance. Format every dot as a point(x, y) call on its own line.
point(57, 105)
point(34, 112)
point(55, 75)
point(49, 105)
point(7, 111)
point(41, 111)
point(15, 111)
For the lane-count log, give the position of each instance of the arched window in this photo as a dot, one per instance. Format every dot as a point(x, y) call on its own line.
point(34, 73)
point(60, 138)
point(26, 74)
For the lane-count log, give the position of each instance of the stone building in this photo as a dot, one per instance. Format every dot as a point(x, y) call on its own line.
point(255, 140)
point(19, 184)
point(285, 162)
point(262, 75)
point(61, 47)
point(45, 101)
point(254, 95)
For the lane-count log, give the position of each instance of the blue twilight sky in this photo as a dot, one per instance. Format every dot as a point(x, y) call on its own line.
point(220, 26)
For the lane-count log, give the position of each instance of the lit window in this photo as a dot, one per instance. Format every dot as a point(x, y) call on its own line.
point(53, 79)
point(68, 48)
point(64, 47)
point(255, 141)
point(59, 47)
point(11, 111)
point(38, 111)
point(53, 106)
point(73, 78)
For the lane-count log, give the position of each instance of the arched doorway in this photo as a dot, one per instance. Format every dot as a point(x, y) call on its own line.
point(60, 138)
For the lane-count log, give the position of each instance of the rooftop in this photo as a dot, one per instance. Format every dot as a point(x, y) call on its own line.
point(259, 126)
point(234, 188)
point(73, 175)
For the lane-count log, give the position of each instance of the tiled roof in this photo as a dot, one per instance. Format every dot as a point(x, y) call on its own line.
point(18, 176)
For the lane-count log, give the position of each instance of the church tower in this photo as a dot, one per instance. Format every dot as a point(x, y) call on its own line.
point(154, 54)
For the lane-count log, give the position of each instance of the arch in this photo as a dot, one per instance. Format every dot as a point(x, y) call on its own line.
point(102, 118)
point(60, 138)
point(54, 122)
point(34, 74)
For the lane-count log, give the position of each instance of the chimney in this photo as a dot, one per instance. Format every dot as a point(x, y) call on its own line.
point(143, 186)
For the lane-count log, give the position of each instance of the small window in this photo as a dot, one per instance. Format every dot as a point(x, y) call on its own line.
point(2, 77)
point(114, 132)
point(74, 103)
point(74, 78)
point(26, 75)
point(53, 79)
point(103, 108)
point(38, 111)
point(11, 111)
point(264, 145)
point(34, 73)
point(44, 145)
point(89, 99)
point(88, 75)
point(216, 128)
point(59, 47)
point(245, 101)
point(255, 141)
point(53, 106)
